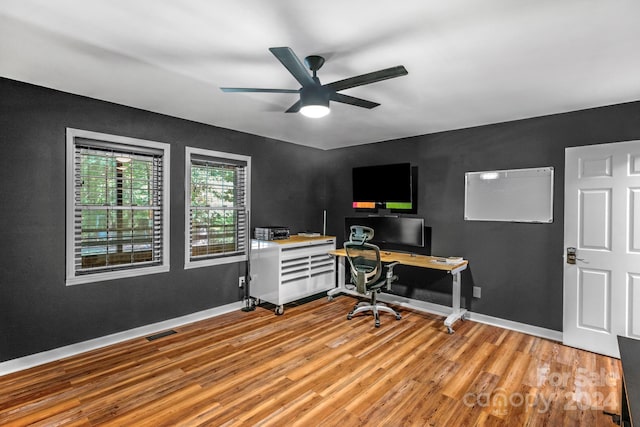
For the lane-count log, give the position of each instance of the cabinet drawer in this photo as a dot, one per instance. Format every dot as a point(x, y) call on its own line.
point(322, 263)
point(294, 268)
point(322, 271)
point(294, 289)
point(294, 275)
point(322, 281)
point(294, 263)
point(299, 251)
point(323, 257)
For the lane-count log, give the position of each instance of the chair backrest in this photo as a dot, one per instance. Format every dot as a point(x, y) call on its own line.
point(364, 262)
point(360, 234)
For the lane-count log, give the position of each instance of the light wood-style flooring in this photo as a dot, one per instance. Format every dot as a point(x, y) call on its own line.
point(313, 367)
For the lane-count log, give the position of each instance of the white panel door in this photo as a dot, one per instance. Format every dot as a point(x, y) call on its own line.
point(602, 223)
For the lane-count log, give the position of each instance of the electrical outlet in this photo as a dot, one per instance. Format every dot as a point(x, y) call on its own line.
point(241, 281)
point(477, 291)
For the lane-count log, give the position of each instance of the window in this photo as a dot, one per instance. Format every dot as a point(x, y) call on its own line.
point(217, 204)
point(117, 207)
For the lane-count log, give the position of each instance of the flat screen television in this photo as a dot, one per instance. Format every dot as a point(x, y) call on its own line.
point(382, 183)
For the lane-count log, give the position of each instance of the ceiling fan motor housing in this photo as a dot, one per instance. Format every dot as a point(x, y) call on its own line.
point(314, 95)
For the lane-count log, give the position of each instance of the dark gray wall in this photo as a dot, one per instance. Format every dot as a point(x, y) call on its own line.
point(519, 266)
point(37, 311)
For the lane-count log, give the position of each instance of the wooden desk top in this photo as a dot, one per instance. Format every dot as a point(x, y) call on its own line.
point(423, 261)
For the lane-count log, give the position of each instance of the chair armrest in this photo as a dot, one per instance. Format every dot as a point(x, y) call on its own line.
point(390, 276)
point(391, 265)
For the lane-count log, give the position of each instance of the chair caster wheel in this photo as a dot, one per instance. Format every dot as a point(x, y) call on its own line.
point(349, 317)
point(450, 330)
point(398, 317)
point(377, 324)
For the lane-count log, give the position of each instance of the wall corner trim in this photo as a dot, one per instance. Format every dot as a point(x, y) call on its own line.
point(26, 362)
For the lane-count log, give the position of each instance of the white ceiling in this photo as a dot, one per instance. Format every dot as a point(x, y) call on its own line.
point(470, 62)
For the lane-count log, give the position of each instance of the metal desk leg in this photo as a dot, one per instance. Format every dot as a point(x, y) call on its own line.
point(458, 313)
point(341, 282)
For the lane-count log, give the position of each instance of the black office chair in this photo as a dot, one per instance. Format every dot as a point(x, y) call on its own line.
point(366, 272)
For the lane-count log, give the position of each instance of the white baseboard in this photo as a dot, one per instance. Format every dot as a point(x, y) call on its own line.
point(443, 310)
point(536, 331)
point(32, 360)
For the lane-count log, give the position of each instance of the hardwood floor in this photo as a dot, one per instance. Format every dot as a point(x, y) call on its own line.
point(311, 366)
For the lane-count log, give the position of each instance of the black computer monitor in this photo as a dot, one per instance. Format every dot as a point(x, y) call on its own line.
point(391, 231)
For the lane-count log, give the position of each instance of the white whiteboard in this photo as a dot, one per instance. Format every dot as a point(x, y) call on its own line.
point(516, 195)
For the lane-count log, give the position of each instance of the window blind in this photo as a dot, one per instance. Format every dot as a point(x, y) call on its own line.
point(118, 206)
point(218, 210)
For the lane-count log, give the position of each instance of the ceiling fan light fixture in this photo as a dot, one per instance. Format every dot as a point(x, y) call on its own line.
point(314, 102)
point(314, 111)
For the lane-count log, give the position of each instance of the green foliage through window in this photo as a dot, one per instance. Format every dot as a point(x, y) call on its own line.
point(118, 207)
point(217, 212)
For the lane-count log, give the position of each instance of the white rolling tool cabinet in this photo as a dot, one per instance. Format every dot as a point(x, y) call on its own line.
point(286, 270)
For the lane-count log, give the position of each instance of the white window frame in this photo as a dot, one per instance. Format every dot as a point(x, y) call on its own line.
point(222, 259)
point(71, 277)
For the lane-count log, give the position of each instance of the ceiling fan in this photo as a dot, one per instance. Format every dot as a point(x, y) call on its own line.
point(314, 96)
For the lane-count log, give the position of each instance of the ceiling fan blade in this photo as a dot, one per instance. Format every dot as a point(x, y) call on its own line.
point(365, 79)
point(291, 62)
point(294, 108)
point(249, 89)
point(352, 100)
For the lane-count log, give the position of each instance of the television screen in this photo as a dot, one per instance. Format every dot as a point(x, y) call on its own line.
point(382, 183)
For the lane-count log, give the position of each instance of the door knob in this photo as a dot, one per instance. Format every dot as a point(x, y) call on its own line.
point(571, 256)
